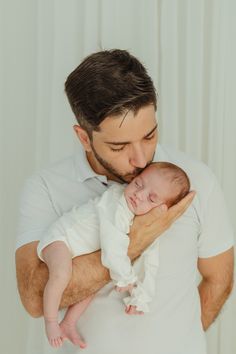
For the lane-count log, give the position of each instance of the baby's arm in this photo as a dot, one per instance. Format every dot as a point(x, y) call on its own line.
point(114, 224)
point(144, 292)
point(114, 254)
point(122, 289)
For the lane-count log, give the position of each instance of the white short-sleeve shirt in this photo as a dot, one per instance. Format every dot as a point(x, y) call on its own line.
point(173, 325)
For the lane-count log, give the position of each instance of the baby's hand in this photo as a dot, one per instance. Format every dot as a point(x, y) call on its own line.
point(132, 310)
point(122, 289)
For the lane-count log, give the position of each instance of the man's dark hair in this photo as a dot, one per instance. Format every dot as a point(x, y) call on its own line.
point(110, 82)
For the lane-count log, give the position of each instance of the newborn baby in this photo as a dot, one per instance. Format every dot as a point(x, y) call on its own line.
point(104, 223)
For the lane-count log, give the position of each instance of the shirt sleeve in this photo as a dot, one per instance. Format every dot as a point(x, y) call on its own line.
point(36, 211)
point(217, 233)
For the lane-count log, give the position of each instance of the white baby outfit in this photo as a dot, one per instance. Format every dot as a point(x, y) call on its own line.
point(104, 222)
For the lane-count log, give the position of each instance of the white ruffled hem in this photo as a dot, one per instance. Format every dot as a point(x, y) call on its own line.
point(138, 298)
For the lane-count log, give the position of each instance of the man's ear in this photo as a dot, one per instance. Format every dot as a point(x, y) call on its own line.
point(83, 137)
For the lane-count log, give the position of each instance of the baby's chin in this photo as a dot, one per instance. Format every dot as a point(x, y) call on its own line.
point(140, 212)
point(135, 210)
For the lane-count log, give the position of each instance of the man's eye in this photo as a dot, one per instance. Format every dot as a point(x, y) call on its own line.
point(117, 149)
point(137, 184)
point(150, 137)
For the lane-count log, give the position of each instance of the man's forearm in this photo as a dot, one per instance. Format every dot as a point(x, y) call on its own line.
point(89, 275)
point(213, 297)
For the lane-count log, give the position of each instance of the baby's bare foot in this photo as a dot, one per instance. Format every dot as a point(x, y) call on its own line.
point(54, 333)
point(132, 310)
point(69, 331)
point(122, 289)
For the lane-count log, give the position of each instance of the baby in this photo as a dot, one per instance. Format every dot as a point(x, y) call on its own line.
point(104, 222)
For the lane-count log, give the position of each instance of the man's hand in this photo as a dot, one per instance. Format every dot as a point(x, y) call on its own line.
point(146, 228)
point(89, 275)
point(216, 285)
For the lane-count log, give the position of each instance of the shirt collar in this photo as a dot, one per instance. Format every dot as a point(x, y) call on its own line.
point(82, 167)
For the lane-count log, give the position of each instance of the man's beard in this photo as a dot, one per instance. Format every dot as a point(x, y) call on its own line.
point(111, 170)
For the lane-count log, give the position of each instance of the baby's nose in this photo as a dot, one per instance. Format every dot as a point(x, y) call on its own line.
point(139, 195)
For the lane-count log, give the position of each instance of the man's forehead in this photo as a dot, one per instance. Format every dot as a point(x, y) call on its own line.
point(128, 126)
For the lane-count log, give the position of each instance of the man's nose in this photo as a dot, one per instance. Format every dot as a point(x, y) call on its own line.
point(138, 158)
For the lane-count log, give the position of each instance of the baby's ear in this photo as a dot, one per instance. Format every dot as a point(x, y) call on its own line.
point(163, 207)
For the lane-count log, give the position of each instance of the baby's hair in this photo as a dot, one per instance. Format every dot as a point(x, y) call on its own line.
point(175, 175)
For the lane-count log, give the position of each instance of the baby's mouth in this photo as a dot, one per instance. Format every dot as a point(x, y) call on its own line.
point(133, 202)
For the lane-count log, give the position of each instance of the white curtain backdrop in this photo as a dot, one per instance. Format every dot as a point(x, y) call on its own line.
point(189, 49)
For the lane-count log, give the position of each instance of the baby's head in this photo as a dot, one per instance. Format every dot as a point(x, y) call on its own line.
point(160, 183)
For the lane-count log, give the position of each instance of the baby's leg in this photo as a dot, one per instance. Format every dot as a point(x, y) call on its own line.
point(59, 262)
point(68, 324)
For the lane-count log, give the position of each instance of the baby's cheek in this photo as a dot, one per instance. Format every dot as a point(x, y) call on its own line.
point(144, 209)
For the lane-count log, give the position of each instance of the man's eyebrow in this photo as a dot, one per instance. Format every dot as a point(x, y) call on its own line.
point(128, 142)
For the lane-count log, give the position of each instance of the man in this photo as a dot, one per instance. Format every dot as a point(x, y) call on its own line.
point(114, 102)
